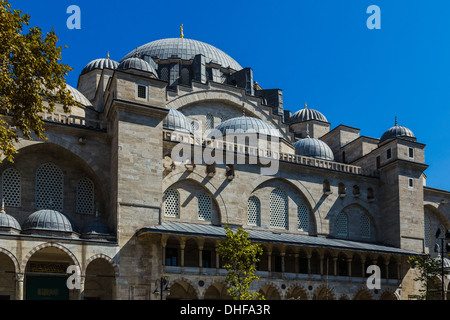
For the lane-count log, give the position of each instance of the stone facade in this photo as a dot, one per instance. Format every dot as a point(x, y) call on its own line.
point(321, 223)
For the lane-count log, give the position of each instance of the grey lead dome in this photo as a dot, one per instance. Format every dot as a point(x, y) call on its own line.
point(100, 64)
point(137, 64)
point(307, 114)
point(397, 131)
point(314, 148)
point(177, 121)
point(247, 125)
point(48, 220)
point(185, 49)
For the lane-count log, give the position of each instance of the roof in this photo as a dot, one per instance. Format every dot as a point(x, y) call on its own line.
point(185, 49)
point(315, 148)
point(307, 114)
point(49, 220)
point(396, 131)
point(268, 236)
point(137, 64)
point(177, 121)
point(78, 96)
point(100, 64)
point(247, 125)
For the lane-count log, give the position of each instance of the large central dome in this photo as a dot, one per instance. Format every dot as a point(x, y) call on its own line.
point(185, 49)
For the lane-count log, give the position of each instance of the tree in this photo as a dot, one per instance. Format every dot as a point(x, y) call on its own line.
point(428, 269)
point(240, 256)
point(32, 79)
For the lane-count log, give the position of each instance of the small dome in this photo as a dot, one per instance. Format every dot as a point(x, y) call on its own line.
point(78, 96)
point(314, 148)
point(97, 228)
point(307, 114)
point(100, 64)
point(138, 64)
point(395, 132)
point(247, 125)
point(177, 121)
point(49, 220)
point(8, 222)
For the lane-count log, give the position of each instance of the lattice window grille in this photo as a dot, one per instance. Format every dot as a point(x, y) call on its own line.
point(49, 187)
point(342, 225)
point(171, 203)
point(209, 125)
point(204, 207)
point(303, 217)
point(427, 232)
point(164, 74)
point(85, 196)
point(253, 212)
point(278, 209)
point(11, 187)
point(365, 226)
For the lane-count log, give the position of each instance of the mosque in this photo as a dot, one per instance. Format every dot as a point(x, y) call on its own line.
point(105, 194)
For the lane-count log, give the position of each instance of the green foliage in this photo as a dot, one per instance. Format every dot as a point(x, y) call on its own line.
point(31, 78)
point(240, 256)
point(428, 270)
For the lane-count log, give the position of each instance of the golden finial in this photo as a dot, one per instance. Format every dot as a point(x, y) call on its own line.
point(306, 106)
point(107, 57)
point(181, 30)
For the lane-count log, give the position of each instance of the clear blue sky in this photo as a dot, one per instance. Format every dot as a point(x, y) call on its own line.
point(316, 51)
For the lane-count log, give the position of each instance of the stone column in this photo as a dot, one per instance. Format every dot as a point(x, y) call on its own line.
point(19, 286)
point(349, 267)
point(182, 246)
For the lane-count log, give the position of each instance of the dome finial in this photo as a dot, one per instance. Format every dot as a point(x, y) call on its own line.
point(107, 57)
point(396, 121)
point(3, 206)
point(181, 32)
point(306, 106)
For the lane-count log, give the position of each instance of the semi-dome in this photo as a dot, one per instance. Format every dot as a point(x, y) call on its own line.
point(100, 64)
point(307, 114)
point(177, 121)
point(48, 220)
point(8, 222)
point(314, 148)
point(137, 64)
point(185, 49)
point(397, 131)
point(247, 125)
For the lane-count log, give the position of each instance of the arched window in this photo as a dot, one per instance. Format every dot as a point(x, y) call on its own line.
point(278, 209)
point(342, 225)
point(85, 196)
point(326, 187)
point(171, 202)
point(204, 207)
point(342, 189)
point(49, 187)
point(370, 195)
point(427, 231)
point(209, 125)
point(303, 217)
point(185, 75)
point(11, 187)
point(253, 212)
point(365, 226)
point(356, 192)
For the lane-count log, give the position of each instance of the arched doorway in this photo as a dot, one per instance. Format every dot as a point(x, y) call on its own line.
point(182, 290)
point(99, 283)
point(46, 276)
point(297, 293)
point(7, 278)
point(270, 292)
point(217, 291)
point(323, 293)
